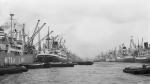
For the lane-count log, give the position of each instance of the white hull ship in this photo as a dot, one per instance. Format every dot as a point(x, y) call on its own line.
point(136, 53)
point(53, 51)
point(12, 46)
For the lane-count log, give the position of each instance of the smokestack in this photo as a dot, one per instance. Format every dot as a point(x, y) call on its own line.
point(146, 45)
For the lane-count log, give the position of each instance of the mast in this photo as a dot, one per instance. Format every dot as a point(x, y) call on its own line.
point(142, 43)
point(15, 31)
point(132, 44)
point(39, 40)
point(138, 48)
point(138, 44)
point(23, 32)
point(11, 18)
point(48, 38)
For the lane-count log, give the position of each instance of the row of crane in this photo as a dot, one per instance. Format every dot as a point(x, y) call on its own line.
point(16, 35)
point(55, 39)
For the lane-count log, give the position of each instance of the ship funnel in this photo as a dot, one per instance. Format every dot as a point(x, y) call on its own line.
point(124, 47)
point(146, 45)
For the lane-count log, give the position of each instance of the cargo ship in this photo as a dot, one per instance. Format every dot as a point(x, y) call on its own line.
point(52, 51)
point(136, 53)
point(14, 49)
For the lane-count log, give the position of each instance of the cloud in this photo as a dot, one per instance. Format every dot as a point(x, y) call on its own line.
point(89, 26)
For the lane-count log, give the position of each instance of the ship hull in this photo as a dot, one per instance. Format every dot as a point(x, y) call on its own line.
point(119, 59)
point(126, 59)
point(142, 59)
point(131, 60)
point(10, 59)
point(49, 58)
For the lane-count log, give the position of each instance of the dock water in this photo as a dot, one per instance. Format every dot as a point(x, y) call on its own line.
point(98, 73)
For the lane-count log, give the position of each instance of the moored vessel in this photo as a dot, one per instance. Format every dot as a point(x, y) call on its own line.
point(12, 45)
point(136, 53)
point(15, 47)
point(53, 53)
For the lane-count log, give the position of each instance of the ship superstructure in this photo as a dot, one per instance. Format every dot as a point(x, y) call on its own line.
point(53, 50)
point(10, 43)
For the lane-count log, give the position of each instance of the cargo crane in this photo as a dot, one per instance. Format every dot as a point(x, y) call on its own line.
point(36, 31)
point(36, 44)
point(133, 48)
point(132, 44)
point(60, 42)
point(29, 47)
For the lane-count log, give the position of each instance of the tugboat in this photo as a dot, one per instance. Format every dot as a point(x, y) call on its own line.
point(12, 70)
point(145, 69)
point(85, 63)
point(36, 65)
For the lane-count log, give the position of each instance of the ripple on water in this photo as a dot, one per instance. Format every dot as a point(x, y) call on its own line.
point(99, 73)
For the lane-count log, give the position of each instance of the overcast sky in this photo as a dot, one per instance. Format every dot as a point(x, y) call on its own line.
point(89, 26)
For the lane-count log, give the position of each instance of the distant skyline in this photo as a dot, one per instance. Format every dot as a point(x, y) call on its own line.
point(89, 26)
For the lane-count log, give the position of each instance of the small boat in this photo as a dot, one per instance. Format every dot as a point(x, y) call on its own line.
point(145, 69)
point(23, 69)
point(85, 63)
point(60, 64)
point(36, 65)
point(12, 70)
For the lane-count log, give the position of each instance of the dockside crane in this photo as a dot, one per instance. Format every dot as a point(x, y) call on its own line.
point(29, 47)
point(133, 48)
point(60, 42)
point(132, 44)
point(36, 31)
point(43, 38)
